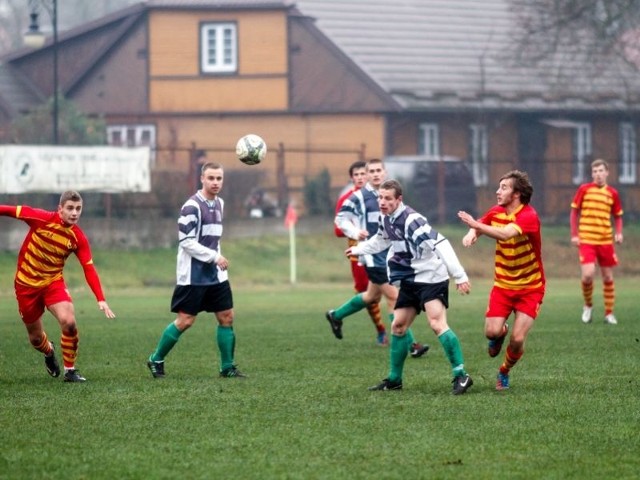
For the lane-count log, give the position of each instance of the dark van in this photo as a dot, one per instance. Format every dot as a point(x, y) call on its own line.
point(437, 187)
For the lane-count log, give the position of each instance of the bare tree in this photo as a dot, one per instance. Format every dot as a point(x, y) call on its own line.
point(592, 31)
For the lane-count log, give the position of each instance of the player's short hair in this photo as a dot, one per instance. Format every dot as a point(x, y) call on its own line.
point(69, 195)
point(373, 161)
point(598, 162)
point(211, 165)
point(356, 166)
point(521, 184)
point(392, 185)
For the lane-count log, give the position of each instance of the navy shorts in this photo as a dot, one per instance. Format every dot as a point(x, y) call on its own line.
point(377, 275)
point(417, 294)
point(193, 299)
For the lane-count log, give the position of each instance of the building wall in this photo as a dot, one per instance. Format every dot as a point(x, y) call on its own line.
point(176, 83)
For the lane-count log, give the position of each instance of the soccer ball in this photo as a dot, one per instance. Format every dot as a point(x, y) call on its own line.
point(251, 149)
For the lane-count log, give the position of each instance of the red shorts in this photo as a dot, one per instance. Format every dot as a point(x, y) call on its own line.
point(33, 301)
point(503, 302)
point(605, 255)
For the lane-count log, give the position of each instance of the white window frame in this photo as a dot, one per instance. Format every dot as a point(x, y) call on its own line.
point(628, 153)
point(139, 132)
point(429, 140)
point(479, 153)
point(582, 150)
point(219, 47)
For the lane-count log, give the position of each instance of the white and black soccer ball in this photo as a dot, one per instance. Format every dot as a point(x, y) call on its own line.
point(251, 149)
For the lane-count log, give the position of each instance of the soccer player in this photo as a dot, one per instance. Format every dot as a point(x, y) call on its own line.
point(358, 175)
point(591, 210)
point(358, 219)
point(202, 279)
point(39, 282)
point(420, 261)
point(519, 281)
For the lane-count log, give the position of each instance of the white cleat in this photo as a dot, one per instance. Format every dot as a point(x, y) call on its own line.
point(586, 314)
point(610, 319)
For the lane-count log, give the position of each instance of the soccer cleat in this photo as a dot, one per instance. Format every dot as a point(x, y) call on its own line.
point(382, 340)
point(495, 345)
point(73, 376)
point(586, 314)
point(502, 382)
point(232, 372)
point(387, 384)
point(156, 368)
point(610, 319)
point(461, 384)
point(336, 325)
point(417, 350)
point(51, 363)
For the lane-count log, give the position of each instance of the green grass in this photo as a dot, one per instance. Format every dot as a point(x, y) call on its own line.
point(305, 412)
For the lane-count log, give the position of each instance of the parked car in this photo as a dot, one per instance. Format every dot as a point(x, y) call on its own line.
point(437, 187)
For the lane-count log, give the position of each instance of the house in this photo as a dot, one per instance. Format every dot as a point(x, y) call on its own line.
point(326, 82)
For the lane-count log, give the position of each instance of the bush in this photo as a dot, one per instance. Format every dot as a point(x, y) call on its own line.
point(317, 194)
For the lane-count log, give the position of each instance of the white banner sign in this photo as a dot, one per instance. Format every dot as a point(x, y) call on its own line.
point(53, 169)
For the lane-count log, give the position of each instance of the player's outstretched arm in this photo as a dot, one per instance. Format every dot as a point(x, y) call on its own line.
point(105, 308)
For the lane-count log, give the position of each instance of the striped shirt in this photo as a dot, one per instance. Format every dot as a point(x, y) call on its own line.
point(199, 232)
point(361, 212)
point(47, 246)
point(596, 205)
point(518, 261)
point(419, 254)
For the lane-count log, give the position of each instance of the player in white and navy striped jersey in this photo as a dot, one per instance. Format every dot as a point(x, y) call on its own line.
point(420, 262)
point(358, 219)
point(202, 282)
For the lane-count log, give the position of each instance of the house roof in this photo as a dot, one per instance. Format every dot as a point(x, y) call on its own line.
point(452, 54)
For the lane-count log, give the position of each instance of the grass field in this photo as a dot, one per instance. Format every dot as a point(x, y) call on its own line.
point(305, 412)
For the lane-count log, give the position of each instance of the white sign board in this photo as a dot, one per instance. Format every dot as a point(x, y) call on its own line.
point(54, 169)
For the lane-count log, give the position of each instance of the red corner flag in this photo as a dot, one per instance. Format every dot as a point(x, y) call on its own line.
point(291, 217)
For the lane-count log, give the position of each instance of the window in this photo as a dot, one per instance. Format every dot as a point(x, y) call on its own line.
point(133, 136)
point(628, 153)
point(479, 152)
point(429, 140)
point(218, 48)
point(581, 151)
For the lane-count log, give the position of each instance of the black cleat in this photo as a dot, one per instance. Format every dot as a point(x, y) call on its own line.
point(156, 368)
point(232, 372)
point(418, 350)
point(387, 384)
point(461, 384)
point(336, 325)
point(51, 363)
point(73, 376)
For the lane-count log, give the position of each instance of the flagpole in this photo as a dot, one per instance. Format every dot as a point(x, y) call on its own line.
point(290, 220)
point(292, 253)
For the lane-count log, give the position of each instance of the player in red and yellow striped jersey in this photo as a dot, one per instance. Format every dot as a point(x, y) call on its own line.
point(519, 281)
point(591, 209)
point(39, 282)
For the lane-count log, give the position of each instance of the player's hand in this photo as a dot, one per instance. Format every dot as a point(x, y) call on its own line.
point(222, 262)
point(363, 235)
point(467, 219)
point(348, 252)
point(105, 308)
point(575, 241)
point(618, 238)
point(470, 238)
point(463, 288)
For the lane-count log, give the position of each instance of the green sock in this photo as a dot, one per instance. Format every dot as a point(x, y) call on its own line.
point(453, 351)
point(398, 353)
point(167, 341)
point(226, 344)
point(355, 304)
point(411, 338)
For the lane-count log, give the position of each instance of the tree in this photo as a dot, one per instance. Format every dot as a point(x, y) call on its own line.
point(593, 31)
point(74, 127)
